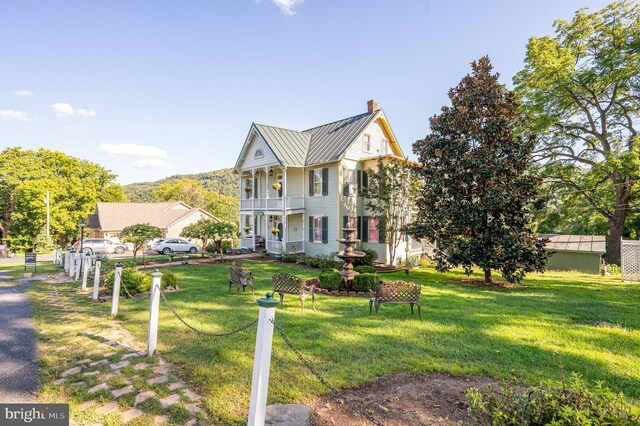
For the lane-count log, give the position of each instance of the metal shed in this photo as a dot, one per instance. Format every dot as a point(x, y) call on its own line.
point(576, 252)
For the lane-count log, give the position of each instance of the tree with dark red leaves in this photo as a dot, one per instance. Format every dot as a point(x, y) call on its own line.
point(479, 185)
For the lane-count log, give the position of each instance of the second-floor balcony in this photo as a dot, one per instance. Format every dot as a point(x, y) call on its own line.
point(272, 204)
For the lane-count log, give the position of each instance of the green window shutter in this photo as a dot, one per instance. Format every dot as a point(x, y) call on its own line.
point(359, 226)
point(310, 229)
point(365, 179)
point(365, 229)
point(381, 231)
point(311, 183)
point(325, 181)
point(345, 188)
point(359, 178)
point(345, 221)
point(325, 229)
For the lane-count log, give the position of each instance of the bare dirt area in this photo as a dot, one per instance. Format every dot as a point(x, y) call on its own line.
point(400, 399)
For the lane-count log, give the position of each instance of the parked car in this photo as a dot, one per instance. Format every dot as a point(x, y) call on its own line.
point(100, 245)
point(174, 245)
point(116, 240)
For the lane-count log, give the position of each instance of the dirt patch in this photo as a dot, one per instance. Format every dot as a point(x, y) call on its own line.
point(494, 284)
point(400, 399)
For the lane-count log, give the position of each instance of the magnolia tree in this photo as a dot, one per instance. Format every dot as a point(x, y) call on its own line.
point(479, 190)
point(391, 196)
point(202, 230)
point(139, 234)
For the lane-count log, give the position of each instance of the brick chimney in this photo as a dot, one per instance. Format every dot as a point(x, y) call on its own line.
point(372, 105)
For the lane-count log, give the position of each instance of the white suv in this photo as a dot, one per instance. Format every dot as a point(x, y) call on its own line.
point(174, 245)
point(100, 245)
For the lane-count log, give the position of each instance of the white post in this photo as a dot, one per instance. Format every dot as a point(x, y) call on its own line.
point(67, 255)
point(85, 264)
point(262, 360)
point(72, 264)
point(77, 266)
point(117, 276)
point(154, 308)
point(96, 280)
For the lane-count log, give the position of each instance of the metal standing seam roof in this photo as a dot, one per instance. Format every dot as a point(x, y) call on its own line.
point(289, 146)
point(318, 145)
point(576, 243)
point(330, 141)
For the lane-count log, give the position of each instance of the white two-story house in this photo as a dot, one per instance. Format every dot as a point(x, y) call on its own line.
point(299, 188)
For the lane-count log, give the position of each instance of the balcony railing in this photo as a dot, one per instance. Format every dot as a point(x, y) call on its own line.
point(246, 243)
point(292, 203)
point(274, 246)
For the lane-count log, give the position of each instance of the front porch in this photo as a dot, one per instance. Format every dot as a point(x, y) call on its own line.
point(258, 232)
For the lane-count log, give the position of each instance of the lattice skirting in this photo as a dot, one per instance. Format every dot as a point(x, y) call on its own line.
point(630, 260)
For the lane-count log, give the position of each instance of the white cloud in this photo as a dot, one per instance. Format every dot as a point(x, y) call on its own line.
point(151, 163)
point(9, 114)
point(286, 6)
point(64, 110)
point(133, 150)
point(23, 93)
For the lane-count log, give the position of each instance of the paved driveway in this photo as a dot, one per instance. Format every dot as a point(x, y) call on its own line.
point(18, 345)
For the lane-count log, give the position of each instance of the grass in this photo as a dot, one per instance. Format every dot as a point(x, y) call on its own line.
point(557, 319)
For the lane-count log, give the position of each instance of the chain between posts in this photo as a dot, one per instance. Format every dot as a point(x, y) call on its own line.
point(125, 287)
point(315, 372)
point(205, 333)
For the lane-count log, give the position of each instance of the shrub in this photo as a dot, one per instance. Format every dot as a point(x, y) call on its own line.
point(365, 282)
point(169, 279)
point(412, 262)
point(365, 269)
point(291, 257)
point(569, 403)
point(330, 279)
point(368, 259)
point(322, 261)
point(136, 281)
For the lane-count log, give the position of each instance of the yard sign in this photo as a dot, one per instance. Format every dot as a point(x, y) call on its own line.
point(30, 260)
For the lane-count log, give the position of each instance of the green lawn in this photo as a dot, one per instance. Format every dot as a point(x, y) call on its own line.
point(464, 330)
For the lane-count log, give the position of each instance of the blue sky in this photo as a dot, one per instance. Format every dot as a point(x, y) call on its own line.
point(154, 88)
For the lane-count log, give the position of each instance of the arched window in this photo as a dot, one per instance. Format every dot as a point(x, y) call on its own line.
point(259, 153)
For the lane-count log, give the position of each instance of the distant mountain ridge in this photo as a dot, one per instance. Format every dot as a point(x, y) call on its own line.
point(221, 181)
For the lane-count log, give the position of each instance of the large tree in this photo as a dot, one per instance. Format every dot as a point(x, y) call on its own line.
point(390, 196)
point(479, 189)
point(74, 187)
point(202, 230)
point(139, 234)
point(581, 92)
point(186, 190)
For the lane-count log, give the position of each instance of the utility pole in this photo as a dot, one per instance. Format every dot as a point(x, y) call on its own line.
point(46, 202)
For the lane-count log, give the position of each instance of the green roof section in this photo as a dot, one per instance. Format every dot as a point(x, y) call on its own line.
point(289, 146)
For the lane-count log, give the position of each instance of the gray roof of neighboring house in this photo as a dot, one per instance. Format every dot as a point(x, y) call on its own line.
point(318, 145)
point(289, 146)
point(576, 243)
point(117, 216)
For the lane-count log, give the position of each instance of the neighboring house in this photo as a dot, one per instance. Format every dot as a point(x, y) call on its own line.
point(306, 184)
point(575, 252)
point(170, 216)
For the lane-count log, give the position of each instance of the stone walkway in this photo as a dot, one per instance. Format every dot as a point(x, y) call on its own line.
point(97, 366)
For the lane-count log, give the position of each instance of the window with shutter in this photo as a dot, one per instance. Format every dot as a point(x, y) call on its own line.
point(374, 233)
point(311, 233)
point(365, 179)
point(318, 182)
point(317, 229)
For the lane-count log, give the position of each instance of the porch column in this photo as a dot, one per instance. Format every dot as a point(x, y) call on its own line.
point(285, 221)
point(253, 206)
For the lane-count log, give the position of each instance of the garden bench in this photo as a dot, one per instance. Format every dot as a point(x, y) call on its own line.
point(395, 292)
point(240, 277)
point(290, 284)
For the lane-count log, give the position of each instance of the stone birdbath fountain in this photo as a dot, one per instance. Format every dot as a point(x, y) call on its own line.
point(348, 254)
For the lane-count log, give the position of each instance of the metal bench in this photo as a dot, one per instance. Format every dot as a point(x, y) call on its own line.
point(240, 277)
point(290, 284)
point(395, 292)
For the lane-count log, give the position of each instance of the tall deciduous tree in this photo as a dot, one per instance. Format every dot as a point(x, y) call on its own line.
point(581, 91)
point(223, 207)
point(187, 190)
point(139, 234)
point(219, 234)
point(74, 186)
point(478, 187)
point(391, 196)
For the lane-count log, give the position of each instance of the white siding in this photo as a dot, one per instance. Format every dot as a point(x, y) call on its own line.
point(378, 135)
point(320, 205)
point(250, 161)
point(295, 182)
point(175, 230)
